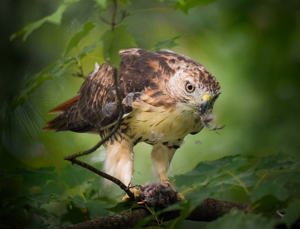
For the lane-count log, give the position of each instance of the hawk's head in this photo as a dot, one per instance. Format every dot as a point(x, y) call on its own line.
point(192, 85)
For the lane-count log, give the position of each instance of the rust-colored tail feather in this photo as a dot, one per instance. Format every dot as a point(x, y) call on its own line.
point(59, 121)
point(54, 124)
point(65, 106)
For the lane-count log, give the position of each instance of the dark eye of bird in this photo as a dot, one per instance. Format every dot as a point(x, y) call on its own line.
point(189, 87)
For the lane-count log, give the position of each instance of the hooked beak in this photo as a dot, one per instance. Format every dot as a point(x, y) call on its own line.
point(203, 107)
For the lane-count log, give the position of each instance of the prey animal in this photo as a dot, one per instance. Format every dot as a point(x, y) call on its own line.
point(165, 96)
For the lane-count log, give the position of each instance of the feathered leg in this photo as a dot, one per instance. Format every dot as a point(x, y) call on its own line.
point(119, 161)
point(161, 156)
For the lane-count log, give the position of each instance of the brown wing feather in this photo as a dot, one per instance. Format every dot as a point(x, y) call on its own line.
point(54, 124)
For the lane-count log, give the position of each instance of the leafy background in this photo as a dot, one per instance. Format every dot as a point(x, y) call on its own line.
point(252, 47)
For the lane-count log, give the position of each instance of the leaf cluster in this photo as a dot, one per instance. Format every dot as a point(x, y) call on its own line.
point(48, 197)
point(270, 185)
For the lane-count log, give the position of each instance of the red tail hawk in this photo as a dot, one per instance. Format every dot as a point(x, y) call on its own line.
point(165, 97)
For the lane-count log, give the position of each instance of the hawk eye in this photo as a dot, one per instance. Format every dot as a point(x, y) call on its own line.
point(189, 87)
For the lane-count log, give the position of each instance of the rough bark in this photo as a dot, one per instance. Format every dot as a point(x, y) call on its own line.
point(209, 210)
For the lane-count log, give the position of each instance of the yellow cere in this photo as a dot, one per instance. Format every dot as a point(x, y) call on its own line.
point(205, 97)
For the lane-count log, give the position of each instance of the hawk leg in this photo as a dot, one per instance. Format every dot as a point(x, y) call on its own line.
point(119, 160)
point(161, 156)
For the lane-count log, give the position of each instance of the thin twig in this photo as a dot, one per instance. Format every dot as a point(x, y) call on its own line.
point(79, 74)
point(124, 15)
point(104, 20)
point(106, 176)
point(113, 20)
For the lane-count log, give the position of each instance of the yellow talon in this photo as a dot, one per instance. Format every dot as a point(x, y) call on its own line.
point(181, 196)
point(136, 193)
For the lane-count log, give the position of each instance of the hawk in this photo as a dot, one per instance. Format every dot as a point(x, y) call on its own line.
point(165, 96)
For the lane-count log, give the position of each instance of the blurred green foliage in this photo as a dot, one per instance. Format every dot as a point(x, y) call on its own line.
point(253, 49)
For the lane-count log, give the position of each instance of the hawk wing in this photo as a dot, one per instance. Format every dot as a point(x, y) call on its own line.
point(96, 106)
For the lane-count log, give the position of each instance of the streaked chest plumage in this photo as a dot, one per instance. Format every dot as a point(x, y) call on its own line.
point(155, 125)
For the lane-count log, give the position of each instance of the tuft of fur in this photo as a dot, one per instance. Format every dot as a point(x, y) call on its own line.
point(210, 122)
point(158, 195)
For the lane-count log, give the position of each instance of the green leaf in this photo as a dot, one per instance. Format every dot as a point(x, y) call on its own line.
point(54, 18)
point(121, 206)
point(269, 188)
point(102, 3)
point(226, 179)
point(86, 50)
point(40, 185)
point(75, 175)
point(38, 177)
point(186, 209)
point(134, 206)
point(74, 215)
point(28, 29)
point(291, 213)
point(97, 183)
point(97, 208)
point(206, 171)
point(79, 201)
point(79, 36)
point(279, 178)
point(185, 5)
point(238, 219)
point(278, 161)
point(114, 41)
point(168, 44)
point(178, 206)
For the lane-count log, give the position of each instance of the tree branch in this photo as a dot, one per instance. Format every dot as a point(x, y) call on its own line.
point(209, 210)
point(106, 176)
